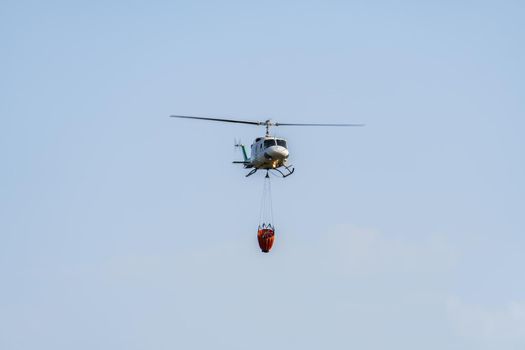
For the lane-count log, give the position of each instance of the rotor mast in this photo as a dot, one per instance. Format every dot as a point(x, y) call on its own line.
point(267, 124)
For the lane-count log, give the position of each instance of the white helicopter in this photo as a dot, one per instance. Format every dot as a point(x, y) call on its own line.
point(267, 152)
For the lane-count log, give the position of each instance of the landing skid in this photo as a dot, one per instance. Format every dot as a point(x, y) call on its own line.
point(289, 172)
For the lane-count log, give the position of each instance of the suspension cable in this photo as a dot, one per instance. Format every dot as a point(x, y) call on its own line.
point(266, 209)
point(270, 201)
point(261, 208)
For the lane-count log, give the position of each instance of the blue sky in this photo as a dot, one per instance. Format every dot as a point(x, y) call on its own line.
point(124, 229)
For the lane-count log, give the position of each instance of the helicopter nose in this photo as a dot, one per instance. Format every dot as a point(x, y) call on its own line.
point(277, 152)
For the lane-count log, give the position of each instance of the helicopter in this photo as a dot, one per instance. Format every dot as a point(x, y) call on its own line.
point(266, 152)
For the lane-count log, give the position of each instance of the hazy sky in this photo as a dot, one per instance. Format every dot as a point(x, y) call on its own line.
point(121, 228)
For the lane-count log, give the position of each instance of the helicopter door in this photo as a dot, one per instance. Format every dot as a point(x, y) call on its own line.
point(260, 148)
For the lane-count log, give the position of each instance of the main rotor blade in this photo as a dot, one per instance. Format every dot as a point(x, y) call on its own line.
point(300, 124)
point(218, 120)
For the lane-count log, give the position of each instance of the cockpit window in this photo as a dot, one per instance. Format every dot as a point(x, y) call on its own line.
point(281, 143)
point(268, 143)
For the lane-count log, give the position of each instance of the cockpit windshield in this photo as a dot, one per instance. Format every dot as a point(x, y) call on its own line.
point(281, 143)
point(269, 142)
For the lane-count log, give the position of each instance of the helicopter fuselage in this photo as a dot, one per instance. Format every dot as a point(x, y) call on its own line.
point(268, 153)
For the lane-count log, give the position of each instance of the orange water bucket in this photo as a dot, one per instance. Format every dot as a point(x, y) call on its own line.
point(265, 236)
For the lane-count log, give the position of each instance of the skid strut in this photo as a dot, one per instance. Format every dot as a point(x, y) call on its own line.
point(252, 172)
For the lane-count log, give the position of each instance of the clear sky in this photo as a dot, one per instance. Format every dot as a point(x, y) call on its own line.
point(121, 228)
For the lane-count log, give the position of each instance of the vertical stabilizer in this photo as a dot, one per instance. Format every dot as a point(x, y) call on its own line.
point(243, 148)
